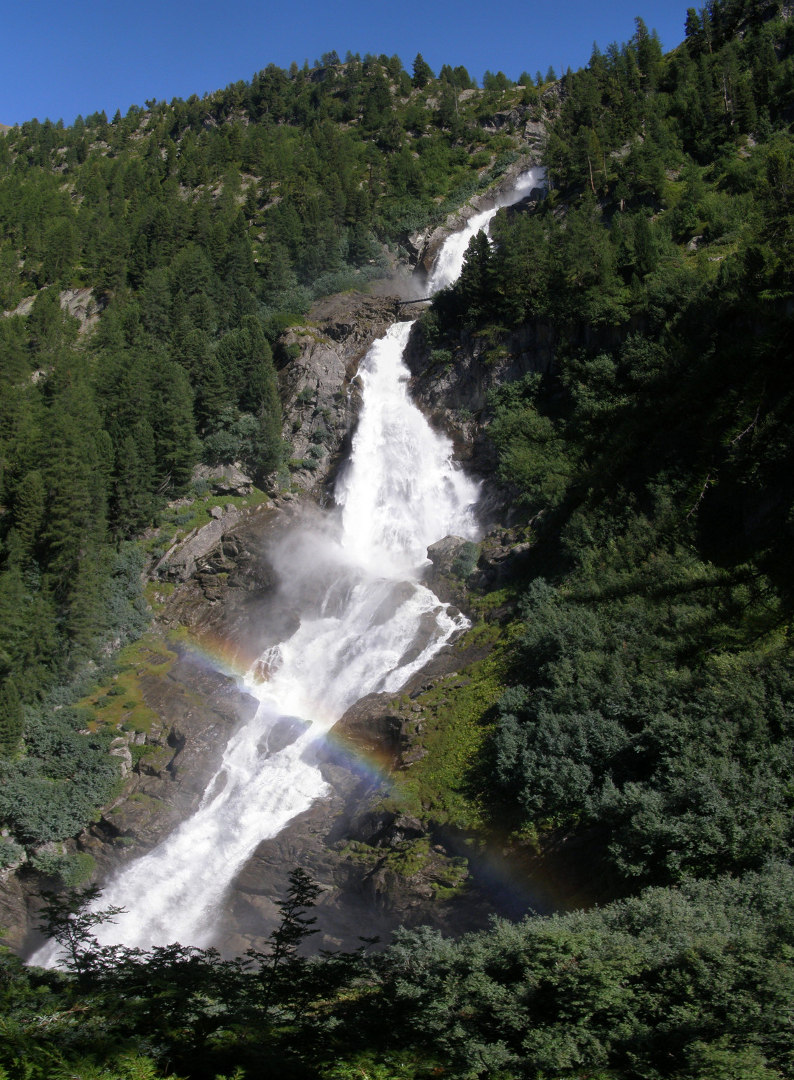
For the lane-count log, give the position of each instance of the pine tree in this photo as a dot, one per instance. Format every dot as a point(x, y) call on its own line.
point(69, 920)
point(29, 509)
point(173, 425)
point(29, 643)
point(212, 394)
point(282, 972)
point(422, 72)
point(74, 476)
point(476, 277)
point(11, 718)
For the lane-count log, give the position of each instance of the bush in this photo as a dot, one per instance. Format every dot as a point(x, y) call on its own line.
point(10, 852)
point(466, 560)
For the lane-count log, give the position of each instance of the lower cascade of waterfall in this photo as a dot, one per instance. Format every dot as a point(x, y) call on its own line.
point(367, 624)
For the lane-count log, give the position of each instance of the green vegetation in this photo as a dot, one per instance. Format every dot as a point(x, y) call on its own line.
point(650, 698)
point(694, 982)
point(118, 703)
point(451, 728)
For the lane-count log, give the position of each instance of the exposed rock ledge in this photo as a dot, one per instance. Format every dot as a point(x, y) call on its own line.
point(82, 304)
point(318, 389)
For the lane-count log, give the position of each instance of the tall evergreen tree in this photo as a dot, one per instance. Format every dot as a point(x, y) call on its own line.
point(422, 72)
point(11, 718)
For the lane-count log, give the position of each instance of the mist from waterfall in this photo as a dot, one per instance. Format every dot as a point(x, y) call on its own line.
point(366, 625)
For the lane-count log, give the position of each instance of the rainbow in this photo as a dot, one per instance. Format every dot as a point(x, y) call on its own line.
point(516, 879)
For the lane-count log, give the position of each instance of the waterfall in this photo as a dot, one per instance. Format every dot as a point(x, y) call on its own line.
point(449, 261)
point(368, 625)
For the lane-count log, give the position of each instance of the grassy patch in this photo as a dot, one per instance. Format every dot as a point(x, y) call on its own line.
point(454, 722)
point(446, 874)
point(450, 878)
point(155, 758)
point(120, 702)
point(410, 858)
point(483, 603)
point(176, 522)
point(157, 594)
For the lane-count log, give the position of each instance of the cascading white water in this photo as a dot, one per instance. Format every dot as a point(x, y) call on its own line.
point(398, 461)
point(449, 262)
point(367, 626)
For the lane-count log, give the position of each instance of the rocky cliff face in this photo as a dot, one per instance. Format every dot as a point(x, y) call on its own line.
point(454, 393)
point(318, 388)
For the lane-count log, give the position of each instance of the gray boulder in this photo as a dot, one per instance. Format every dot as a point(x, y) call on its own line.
point(444, 552)
point(224, 479)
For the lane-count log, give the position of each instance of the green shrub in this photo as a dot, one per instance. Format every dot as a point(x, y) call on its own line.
point(466, 560)
point(10, 852)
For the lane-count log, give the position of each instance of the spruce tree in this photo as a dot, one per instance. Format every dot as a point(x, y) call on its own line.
point(29, 509)
point(173, 426)
point(422, 72)
point(11, 718)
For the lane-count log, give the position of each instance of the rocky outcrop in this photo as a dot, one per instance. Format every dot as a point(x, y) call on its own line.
point(198, 707)
point(224, 479)
point(476, 367)
point(232, 595)
point(318, 389)
point(181, 560)
point(445, 553)
point(81, 304)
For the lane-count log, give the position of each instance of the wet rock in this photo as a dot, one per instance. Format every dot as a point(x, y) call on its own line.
point(285, 731)
point(198, 709)
point(444, 552)
point(360, 892)
point(16, 907)
point(318, 389)
point(371, 728)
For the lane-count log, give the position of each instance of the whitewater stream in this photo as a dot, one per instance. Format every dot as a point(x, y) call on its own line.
point(368, 625)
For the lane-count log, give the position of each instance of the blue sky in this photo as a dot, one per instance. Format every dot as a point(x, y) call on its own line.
point(59, 59)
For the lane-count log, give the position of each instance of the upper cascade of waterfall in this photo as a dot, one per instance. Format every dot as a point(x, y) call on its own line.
point(401, 490)
point(449, 261)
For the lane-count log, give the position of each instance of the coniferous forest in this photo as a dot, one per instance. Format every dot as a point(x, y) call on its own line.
point(639, 696)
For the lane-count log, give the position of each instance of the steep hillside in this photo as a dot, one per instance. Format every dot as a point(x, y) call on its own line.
point(618, 725)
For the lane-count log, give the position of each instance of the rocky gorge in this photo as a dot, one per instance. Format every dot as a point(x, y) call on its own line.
point(381, 861)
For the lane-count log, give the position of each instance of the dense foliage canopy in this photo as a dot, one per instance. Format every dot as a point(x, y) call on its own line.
point(651, 694)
